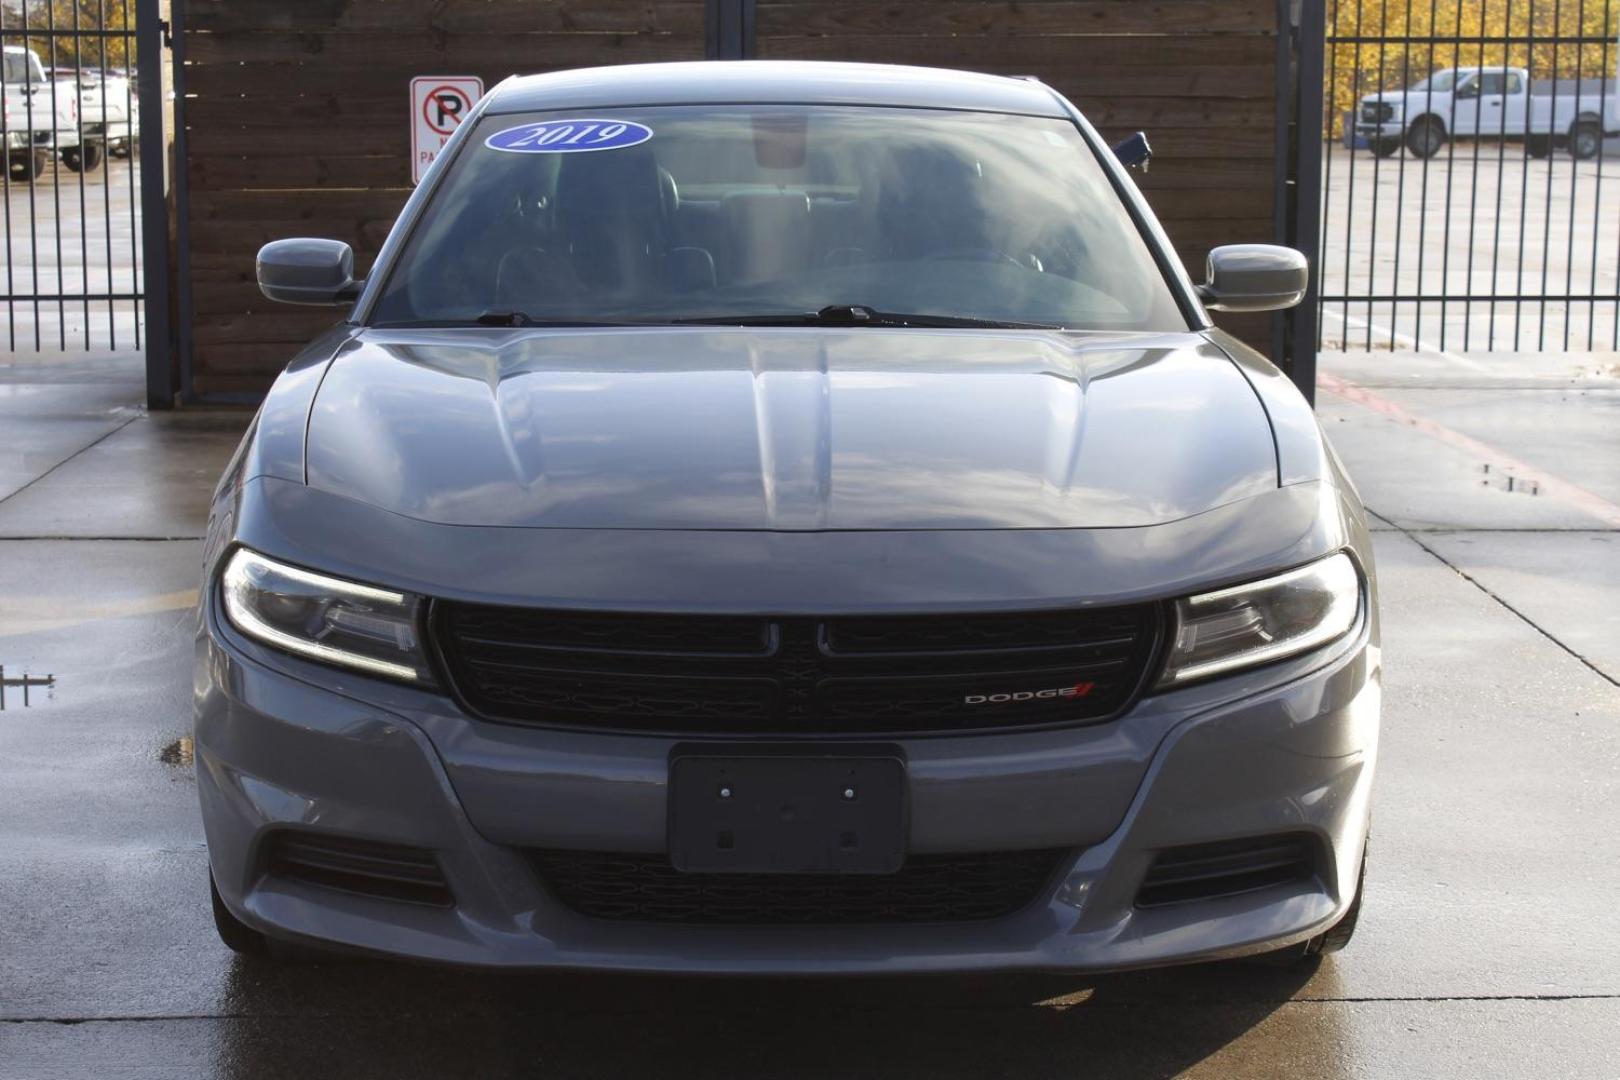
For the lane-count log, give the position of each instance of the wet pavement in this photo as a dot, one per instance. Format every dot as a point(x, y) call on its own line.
point(1487, 946)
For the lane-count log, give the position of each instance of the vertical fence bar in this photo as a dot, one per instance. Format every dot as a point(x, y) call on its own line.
point(84, 232)
point(1597, 193)
point(33, 211)
point(1378, 159)
point(1501, 170)
point(5, 137)
point(1311, 32)
point(1350, 193)
point(1524, 175)
point(1334, 113)
point(1575, 169)
point(1473, 184)
point(154, 205)
point(56, 187)
point(129, 174)
point(1423, 194)
point(106, 188)
point(1451, 174)
point(1552, 159)
point(1395, 289)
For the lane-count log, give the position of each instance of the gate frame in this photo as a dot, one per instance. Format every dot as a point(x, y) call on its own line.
point(151, 38)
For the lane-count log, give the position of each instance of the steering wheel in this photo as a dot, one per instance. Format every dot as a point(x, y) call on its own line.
point(972, 254)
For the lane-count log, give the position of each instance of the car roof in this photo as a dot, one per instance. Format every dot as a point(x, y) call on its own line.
point(779, 82)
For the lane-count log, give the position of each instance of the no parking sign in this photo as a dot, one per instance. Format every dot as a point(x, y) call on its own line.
point(439, 103)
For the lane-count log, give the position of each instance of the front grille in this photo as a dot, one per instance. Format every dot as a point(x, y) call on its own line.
point(388, 871)
point(1374, 112)
point(929, 888)
point(1227, 868)
point(858, 675)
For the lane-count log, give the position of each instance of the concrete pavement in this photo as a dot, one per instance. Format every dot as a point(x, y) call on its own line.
point(1488, 944)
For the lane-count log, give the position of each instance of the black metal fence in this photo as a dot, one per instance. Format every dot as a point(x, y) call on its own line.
point(71, 208)
point(1465, 204)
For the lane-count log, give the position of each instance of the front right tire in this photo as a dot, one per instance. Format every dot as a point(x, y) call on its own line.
point(1425, 138)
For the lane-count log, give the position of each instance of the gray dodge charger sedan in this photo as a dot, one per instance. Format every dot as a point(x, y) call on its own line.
point(764, 517)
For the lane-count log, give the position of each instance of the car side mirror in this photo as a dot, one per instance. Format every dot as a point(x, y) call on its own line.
point(307, 271)
point(1134, 152)
point(1254, 277)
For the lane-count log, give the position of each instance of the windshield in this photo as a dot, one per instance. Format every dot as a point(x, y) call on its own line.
point(1439, 82)
point(18, 69)
point(721, 212)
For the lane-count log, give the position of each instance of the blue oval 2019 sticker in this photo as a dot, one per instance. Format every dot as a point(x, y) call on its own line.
point(569, 136)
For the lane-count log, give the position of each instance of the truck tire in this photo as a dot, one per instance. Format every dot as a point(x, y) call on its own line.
point(1537, 146)
point(1425, 138)
point(28, 166)
point(82, 158)
point(1585, 141)
point(1384, 147)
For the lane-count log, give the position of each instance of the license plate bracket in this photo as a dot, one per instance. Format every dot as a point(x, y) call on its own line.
point(787, 814)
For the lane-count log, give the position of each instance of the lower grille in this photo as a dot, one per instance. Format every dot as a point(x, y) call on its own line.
point(1377, 111)
point(929, 888)
point(1227, 868)
point(388, 871)
point(750, 675)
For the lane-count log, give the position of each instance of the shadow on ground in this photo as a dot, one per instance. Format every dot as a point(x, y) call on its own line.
point(408, 1021)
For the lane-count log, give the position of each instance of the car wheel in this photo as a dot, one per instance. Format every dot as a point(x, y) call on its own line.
point(1585, 141)
point(1385, 147)
point(119, 149)
point(1537, 146)
point(1331, 940)
point(82, 158)
point(1425, 139)
point(237, 935)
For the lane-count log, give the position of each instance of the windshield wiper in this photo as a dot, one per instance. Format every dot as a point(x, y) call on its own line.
point(498, 318)
point(861, 315)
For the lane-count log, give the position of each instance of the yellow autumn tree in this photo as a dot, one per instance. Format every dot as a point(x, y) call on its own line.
point(1390, 44)
point(89, 33)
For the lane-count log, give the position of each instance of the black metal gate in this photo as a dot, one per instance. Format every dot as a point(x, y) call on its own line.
point(79, 95)
point(1465, 204)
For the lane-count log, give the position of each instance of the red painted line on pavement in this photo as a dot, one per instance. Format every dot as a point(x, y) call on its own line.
point(1560, 489)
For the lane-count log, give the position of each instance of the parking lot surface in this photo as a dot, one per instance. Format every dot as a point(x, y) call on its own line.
point(1488, 944)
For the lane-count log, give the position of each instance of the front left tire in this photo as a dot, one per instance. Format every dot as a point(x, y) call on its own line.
point(237, 935)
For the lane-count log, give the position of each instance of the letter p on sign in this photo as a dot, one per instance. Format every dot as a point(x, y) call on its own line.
point(439, 103)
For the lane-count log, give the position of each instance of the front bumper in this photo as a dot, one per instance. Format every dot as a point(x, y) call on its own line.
point(1388, 129)
point(1287, 749)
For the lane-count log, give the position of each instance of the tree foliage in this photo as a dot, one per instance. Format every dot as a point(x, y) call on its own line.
point(114, 47)
point(1390, 44)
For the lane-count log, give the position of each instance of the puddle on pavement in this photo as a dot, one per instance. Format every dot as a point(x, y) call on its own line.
point(177, 753)
point(25, 691)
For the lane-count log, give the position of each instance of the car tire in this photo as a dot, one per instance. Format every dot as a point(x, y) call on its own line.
point(1425, 139)
point(1331, 940)
point(1384, 147)
point(1585, 141)
point(1537, 146)
point(237, 935)
point(83, 158)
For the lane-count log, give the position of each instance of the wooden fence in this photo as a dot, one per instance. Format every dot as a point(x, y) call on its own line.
point(296, 112)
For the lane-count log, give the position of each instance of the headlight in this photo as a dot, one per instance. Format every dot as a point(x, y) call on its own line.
point(324, 618)
point(1263, 621)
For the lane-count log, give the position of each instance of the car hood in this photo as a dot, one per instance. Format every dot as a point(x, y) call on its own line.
point(787, 429)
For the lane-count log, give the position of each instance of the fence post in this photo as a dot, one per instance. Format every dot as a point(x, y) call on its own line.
point(728, 29)
point(1310, 32)
point(149, 33)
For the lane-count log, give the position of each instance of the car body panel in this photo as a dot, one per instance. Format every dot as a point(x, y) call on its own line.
point(788, 429)
point(817, 471)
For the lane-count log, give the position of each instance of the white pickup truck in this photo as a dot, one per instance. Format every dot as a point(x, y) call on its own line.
point(77, 118)
point(1491, 103)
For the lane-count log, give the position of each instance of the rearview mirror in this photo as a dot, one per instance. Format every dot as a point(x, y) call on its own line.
point(307, 271)
point(1254, 277)
point(1134, 151)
